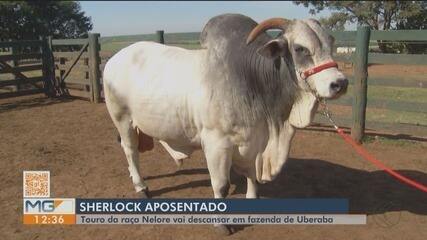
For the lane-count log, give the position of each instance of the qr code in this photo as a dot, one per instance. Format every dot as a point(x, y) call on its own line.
point(36, 184)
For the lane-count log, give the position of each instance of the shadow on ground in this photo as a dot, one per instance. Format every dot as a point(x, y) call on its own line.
point(368, 192)
point(32, 102)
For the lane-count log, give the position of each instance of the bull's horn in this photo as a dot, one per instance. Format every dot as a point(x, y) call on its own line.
point(277, 23)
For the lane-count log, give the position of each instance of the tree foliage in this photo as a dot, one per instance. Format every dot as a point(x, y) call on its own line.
point(31, 19)
point(379, 15)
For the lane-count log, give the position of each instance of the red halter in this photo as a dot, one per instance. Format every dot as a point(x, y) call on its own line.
point(319, 68)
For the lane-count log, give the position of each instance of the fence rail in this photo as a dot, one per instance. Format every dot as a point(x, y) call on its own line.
point(389, 35)
point(22, 43)
point(401, 59)
point(388, 58)
point(22, 68)
point(16, 57)
point(67, 42)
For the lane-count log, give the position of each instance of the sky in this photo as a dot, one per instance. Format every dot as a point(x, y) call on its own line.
point(130, 18)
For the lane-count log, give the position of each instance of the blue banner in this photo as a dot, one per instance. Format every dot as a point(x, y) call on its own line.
point(207, 206)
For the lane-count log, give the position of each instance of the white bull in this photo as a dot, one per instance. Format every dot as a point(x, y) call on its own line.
point(239, 102)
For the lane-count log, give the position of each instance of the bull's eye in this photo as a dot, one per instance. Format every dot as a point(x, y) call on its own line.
point(302, 50)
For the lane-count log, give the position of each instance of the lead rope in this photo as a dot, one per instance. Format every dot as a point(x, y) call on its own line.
point(366, 155)
point(359, 149)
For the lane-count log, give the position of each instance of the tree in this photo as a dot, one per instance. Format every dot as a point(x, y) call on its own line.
point(335, 22)
point(31, 19)
point(379, 15)
point(416, 23)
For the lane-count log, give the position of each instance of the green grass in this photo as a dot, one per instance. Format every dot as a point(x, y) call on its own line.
point(416, 95)
point(405, 94)
point(187, 46)
point(391, 116)
point(398, 93)
point(186, 40)
point(169, 37)
point(395, 94)
point(114, 47)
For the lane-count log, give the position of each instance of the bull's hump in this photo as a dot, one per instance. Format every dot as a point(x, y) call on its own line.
point(229, 26)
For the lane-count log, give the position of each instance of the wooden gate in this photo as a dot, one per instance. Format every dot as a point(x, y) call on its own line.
point(54, 67)
point(25, 68)
point(77, 66)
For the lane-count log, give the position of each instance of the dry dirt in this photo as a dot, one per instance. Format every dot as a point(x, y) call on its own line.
point(76, 141)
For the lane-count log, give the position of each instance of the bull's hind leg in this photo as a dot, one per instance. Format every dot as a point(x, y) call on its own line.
point(130, 143)
point(128, 140)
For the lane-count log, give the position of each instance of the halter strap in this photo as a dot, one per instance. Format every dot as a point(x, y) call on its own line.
point(319, 68)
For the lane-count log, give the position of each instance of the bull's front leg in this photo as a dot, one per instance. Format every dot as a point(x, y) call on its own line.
point(218, 154)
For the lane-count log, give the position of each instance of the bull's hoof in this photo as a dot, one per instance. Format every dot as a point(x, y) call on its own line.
point(223, 230)
point(144, 193)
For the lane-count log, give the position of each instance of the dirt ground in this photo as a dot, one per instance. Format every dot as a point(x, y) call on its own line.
point(76, 141)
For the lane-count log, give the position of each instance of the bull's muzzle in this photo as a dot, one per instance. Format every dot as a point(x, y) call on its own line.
point(339, 86)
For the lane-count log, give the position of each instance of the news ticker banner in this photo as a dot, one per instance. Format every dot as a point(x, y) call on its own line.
point(188, 211)
point(40, 208)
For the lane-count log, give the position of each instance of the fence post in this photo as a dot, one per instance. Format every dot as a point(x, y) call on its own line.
point(160, 36)
point(360, 71)
point(52, 79)
point(46, 66)
point(94, 72)
point(14, 63)
point(50, 66)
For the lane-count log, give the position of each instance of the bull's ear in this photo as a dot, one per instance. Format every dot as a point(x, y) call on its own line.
point(274, 48)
